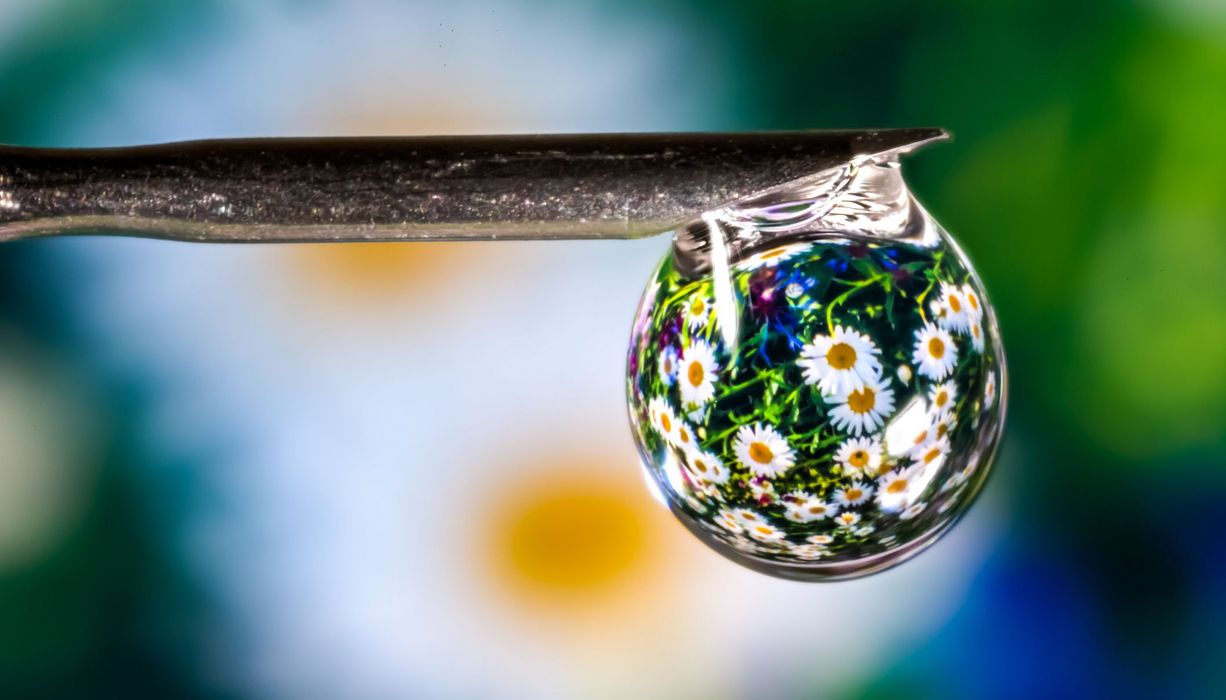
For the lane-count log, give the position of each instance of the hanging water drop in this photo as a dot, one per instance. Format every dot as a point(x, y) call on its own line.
point(816, 377)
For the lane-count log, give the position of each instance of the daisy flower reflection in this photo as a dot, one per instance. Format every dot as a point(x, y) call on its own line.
point(863, 410)
point(763, 451)
point(840, 362)
point(935, 352)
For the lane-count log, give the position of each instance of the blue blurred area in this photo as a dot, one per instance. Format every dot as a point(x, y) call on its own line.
point(281, 473)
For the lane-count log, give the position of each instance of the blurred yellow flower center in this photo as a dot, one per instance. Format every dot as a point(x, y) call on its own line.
point(817, 510)
point(571, 538)
point(896, 486)
point(972, 301)
point(695, 373)
point(942, 428)
point(698, 307)
point(771, 254)
point(859, 458)
point(666, 423)
point(700, 465)
point(841, 356)
point(760, 453)
point(954, 304)
point(380, 272)
point(764, 530)
point(932, 454)
point(936, 348)
point(862, 400)
point(942, 398)
point(684, 435)
point(853, 494)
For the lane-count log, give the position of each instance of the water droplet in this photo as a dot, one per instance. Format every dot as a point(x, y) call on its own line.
point(815, 386)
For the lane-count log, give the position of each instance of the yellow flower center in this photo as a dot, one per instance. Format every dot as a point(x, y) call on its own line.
point(684, 435)
point(942, 428)
point(700, 465)
point(896, 486)
point(975, 331)
point(942, 398)
point(859, 459)
point(817, 510)
point(932, 454)
point(750, 516)
point(764, 530)
point(853, 494)
point(862, 400)
point(841, 356)
point(954, 304)
point(936, 348)
point(760, 453)
point(972, 300)
point(695, 373)
point(771, 254)
point(666, 423)
point(697, 307)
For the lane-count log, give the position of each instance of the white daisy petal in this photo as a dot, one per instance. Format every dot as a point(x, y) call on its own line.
point(926, 455)
point(847, 519)
point(765, 532)
point(859, 455)
point(976, 333)
point(863, 410)
point(935, 352)
point(974, 305)
point(894, 490)
point(697, 310)
point(762, 450)
point(853, 495)
point(803, 508)
point(941, 397)
point(955, 317)
point(943, 423)
point(706, 467)
point(683, 435)
point(697, 373)
point(840, 362)
point(729, 520)
point(662, 418)
point(747, 517)
point(809, 552)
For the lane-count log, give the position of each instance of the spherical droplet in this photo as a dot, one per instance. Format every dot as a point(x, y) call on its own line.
point(822, 407)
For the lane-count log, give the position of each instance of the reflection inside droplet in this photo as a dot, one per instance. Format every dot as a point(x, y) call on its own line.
point(818, 416)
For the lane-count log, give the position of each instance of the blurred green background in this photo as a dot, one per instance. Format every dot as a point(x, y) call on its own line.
point(1086, 180)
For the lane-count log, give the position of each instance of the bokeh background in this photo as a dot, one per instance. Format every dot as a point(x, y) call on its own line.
point(386, 472)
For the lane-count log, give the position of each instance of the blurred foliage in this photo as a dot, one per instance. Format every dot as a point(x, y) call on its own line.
point(107, 610)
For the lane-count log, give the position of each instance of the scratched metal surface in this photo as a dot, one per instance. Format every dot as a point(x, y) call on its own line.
point(420, 188)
